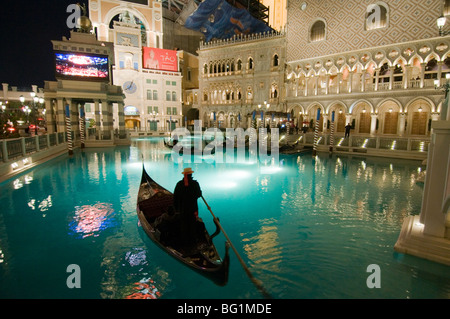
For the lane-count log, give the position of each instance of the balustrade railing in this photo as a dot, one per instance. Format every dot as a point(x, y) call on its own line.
point(11, 149)
point(362, 142)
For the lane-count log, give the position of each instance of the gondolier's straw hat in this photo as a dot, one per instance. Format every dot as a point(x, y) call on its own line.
point(187, 170)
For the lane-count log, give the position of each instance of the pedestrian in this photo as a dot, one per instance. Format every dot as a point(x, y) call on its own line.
point(347, 130)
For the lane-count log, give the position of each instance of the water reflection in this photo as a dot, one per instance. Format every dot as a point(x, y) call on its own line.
point(263, 249)
point(91, 220)
point(42, 205)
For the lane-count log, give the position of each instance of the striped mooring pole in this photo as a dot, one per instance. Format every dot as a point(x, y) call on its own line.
point(69, 130)
point(316, 134)
point(82, 127)
point(332, 132)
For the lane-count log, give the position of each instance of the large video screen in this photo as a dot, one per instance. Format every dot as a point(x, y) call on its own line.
point(160, 59)
point(81, 66)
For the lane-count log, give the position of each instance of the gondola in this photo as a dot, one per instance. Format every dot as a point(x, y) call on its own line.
point(154, 207)
point(193, 149)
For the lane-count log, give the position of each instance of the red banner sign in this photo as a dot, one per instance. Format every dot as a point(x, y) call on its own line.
point(160, 59)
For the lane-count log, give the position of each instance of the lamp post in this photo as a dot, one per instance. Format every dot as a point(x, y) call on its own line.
point(441, 23)
point(35, 101)
point(3, 106)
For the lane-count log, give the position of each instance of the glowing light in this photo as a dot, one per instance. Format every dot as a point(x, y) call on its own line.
point(237, 174)
point(394, 143)
point(422, 147)
point(28, 179)
point(17, 184)
point(270, 169)
point(340, 141)
point(14, 165)
point(365, 143)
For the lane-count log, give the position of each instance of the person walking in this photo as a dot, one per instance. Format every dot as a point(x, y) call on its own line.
point(347, 130)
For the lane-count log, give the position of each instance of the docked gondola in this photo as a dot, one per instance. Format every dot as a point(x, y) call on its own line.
point(193, 148)
point(161, 224)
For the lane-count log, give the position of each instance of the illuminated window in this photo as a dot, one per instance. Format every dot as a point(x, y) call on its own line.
point(377, 16)
point(318, 31)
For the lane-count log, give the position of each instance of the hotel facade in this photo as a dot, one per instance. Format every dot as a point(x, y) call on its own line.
point(374, 65)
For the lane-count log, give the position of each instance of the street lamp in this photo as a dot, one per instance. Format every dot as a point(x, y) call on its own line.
point(36, 100)
point(441, 23)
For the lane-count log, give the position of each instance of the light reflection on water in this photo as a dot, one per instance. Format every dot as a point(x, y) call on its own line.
point(307, 229)
point(90, 220)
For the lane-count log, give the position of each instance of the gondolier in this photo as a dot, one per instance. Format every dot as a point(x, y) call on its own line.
point(153, 202)
point(186, 193)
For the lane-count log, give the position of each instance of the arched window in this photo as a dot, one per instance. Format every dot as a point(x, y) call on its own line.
point(205, 69)
point(275, 60)
point(239, 65)
point(377, 16)
point(250, 64)
point(318, 31)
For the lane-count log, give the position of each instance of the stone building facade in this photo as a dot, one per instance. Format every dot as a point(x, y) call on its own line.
point(239, 77)
point(375, 64)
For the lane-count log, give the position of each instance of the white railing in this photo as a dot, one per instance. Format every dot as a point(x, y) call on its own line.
point(361, 143)
point(21, 147)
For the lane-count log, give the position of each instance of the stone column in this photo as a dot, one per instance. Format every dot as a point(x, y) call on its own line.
point(120, 111)
point(373, 124)
point(407, 76)
point(325, 123)
point(327, 84)
point(107, 115)
point(316, 91)
point(49, 116)
point(401, 128)
point(377, 78)
point(306, 85)
point(422, 74)
point(439, 73)
point(348, 119)
point(60, 115)
point(350, 82)
point(391, 77)
point(98, 123)
point(339, 79)
point(436, 181)
point(363, 80)
point(75, 119)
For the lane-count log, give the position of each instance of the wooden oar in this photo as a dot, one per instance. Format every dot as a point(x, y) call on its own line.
point(255, 281)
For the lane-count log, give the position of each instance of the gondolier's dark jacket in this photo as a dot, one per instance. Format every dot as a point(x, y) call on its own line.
point(185, 197)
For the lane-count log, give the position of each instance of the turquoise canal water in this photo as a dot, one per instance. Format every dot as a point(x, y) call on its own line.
point(308, 228)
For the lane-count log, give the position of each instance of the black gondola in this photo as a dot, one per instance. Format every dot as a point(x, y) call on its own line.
point(154, 208)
